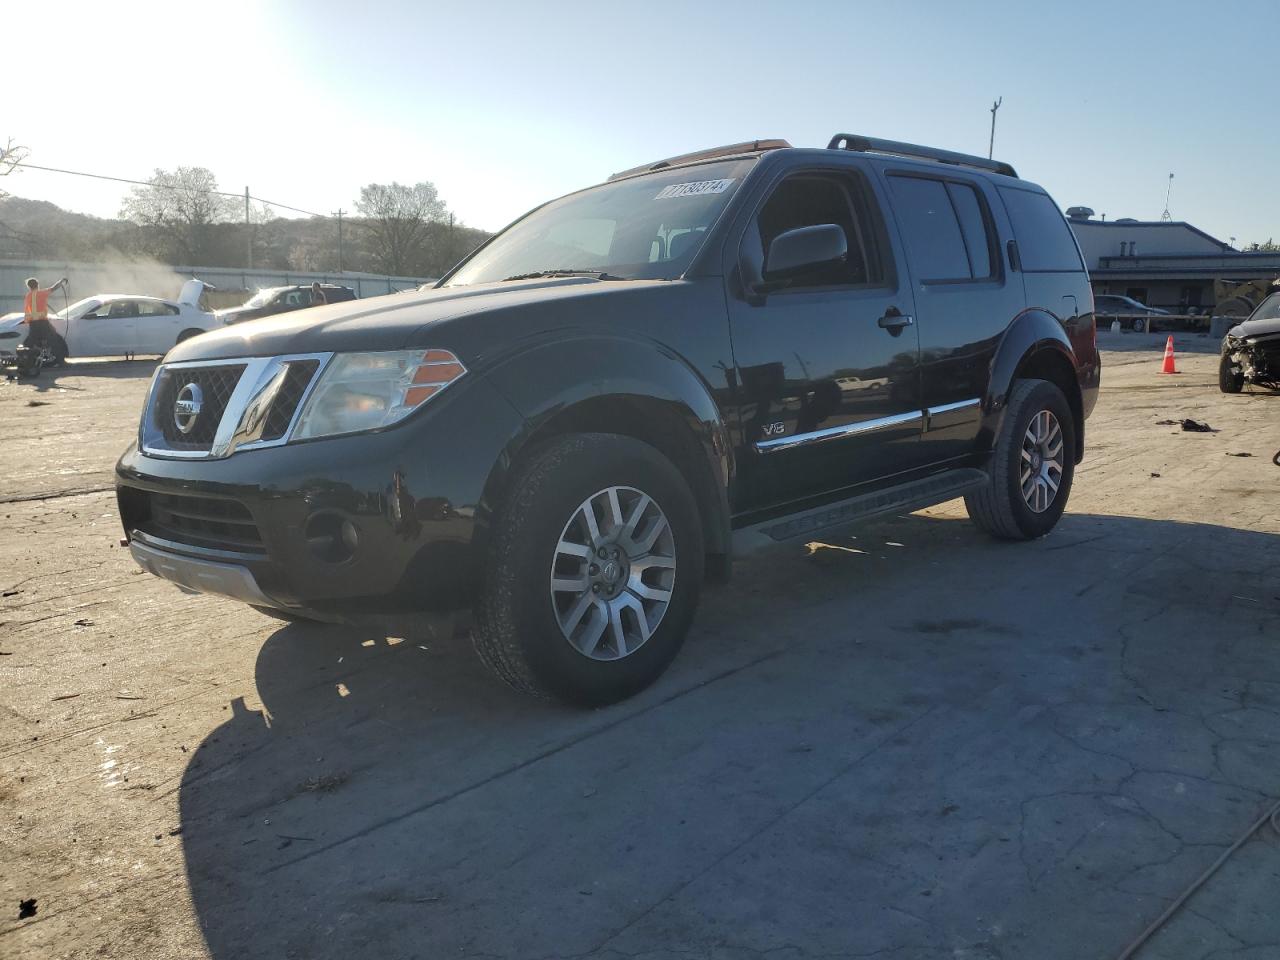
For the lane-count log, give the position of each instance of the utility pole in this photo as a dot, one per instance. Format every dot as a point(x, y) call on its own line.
point(1168, 190)
point(248, 231)
point(991, 147)
point(339, 216)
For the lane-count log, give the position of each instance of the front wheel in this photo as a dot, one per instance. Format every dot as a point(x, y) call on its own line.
point(593, 571)
point(1032, 466)
point(1230, 376)
point(30, 362)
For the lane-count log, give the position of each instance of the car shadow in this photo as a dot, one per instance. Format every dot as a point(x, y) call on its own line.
point(61, 377)
point(389, 799)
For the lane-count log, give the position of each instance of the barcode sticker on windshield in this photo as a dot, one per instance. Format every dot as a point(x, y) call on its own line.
point(696, 189)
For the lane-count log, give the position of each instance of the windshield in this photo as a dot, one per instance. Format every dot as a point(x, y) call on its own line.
point(261, 298)
point(77, 308)
point(642, 228)
point(1268, 309)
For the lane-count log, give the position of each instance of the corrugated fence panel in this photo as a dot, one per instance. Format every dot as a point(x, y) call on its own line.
point(143, 278)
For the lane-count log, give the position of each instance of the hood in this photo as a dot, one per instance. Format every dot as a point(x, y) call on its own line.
point(12, 330)
point(1256, 328)
point(472, 321)
point(232, 314)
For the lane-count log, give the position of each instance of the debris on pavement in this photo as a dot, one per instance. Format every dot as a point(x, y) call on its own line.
point(1196, 426)
point(27, 908)
point(65, 696)
point(1239, 454)
point(83, 622)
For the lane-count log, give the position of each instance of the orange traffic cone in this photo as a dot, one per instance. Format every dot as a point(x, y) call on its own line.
point(1168, 366)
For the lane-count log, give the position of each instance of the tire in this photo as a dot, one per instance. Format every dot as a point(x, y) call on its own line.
point(1001, 508)
point(1139, 325)
point(541, 539)
point(188, 334)
point(1230, 380)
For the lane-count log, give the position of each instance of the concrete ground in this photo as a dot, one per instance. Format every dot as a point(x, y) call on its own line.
point(908, 742)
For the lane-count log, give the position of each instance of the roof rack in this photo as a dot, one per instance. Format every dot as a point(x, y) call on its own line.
point(733, 149)
point(851, 141)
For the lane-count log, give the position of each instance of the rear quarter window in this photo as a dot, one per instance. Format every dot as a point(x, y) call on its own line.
point(1045, 242)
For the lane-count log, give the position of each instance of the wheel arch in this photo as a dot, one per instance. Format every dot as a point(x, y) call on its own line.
point(635, 389)
point(1034, 347)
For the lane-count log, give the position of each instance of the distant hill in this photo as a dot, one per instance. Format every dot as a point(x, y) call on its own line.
point(37, 229)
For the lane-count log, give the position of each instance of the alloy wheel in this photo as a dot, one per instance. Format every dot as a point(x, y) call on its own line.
point(613, 573)
point(1041, 464)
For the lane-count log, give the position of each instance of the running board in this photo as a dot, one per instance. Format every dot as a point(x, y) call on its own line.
point(908, 497)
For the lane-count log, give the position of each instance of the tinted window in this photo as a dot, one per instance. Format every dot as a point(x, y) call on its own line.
point(1045, 241)
point(930, 228)
point(973, 224)
point(152, 308)
point(807, 201)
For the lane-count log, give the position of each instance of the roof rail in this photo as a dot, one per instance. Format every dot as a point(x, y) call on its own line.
point(851, 141)
point(750, 146)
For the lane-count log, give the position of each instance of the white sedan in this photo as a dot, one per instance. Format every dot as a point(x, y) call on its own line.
point(118, 325)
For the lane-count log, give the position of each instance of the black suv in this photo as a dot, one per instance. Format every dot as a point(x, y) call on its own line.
point(594, 410)
point(272, 300)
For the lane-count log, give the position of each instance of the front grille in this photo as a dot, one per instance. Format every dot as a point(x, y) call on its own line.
point(216, 385)
point(291, 393)
point(210, 522)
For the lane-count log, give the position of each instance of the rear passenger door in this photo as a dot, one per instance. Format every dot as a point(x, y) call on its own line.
point(825, 363)
point(157, 326)
point(965, 298)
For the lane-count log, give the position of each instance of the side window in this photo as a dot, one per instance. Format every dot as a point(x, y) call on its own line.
point(119, 309)
point(155, 308)
point(810, 200)
point(978, 240)
point(1045, 242)
point(930, 228)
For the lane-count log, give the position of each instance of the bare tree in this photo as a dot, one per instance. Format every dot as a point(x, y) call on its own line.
point(177, 211)
point(397, 217)
point(11, 154)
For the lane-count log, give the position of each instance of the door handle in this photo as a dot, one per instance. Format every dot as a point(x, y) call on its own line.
point(894, 320)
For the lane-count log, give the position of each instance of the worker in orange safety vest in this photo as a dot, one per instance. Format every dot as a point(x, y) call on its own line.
point(35, 313)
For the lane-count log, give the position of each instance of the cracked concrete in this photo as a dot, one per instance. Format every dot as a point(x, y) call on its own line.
point(952, 748)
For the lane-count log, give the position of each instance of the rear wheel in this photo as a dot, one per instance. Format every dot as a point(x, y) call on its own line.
point(593, 572)
point(1032, 466)
point(1230, 376)
point(188, 334)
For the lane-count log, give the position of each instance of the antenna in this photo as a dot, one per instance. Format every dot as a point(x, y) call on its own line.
point(1168, 190)
point(991, 147)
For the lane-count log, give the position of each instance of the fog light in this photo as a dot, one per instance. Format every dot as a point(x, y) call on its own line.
point(331, 537)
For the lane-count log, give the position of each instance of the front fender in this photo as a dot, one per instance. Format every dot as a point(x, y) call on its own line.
point(554, 379)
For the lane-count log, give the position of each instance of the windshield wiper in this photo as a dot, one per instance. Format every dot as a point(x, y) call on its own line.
point(598, 274)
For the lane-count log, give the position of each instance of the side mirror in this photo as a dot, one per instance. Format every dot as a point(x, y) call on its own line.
point(803, 248)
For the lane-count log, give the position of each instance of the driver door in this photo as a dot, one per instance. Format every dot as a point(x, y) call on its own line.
point(109, 330)
point(827, 363)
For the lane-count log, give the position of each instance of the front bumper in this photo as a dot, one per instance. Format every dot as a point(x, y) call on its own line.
point(400, 509)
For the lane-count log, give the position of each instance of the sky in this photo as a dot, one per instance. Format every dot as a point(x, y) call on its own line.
point(503, 105)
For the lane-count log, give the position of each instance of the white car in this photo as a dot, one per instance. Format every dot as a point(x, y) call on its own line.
point(117, 325)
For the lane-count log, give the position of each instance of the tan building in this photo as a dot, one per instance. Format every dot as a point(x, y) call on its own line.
point(1163, 263)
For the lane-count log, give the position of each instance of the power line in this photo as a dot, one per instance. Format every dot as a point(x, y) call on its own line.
point(163, 186)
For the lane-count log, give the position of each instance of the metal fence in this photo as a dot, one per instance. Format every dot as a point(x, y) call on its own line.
point(146, 278)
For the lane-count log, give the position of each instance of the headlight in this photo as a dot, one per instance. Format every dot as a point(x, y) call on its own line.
point(365, 391)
